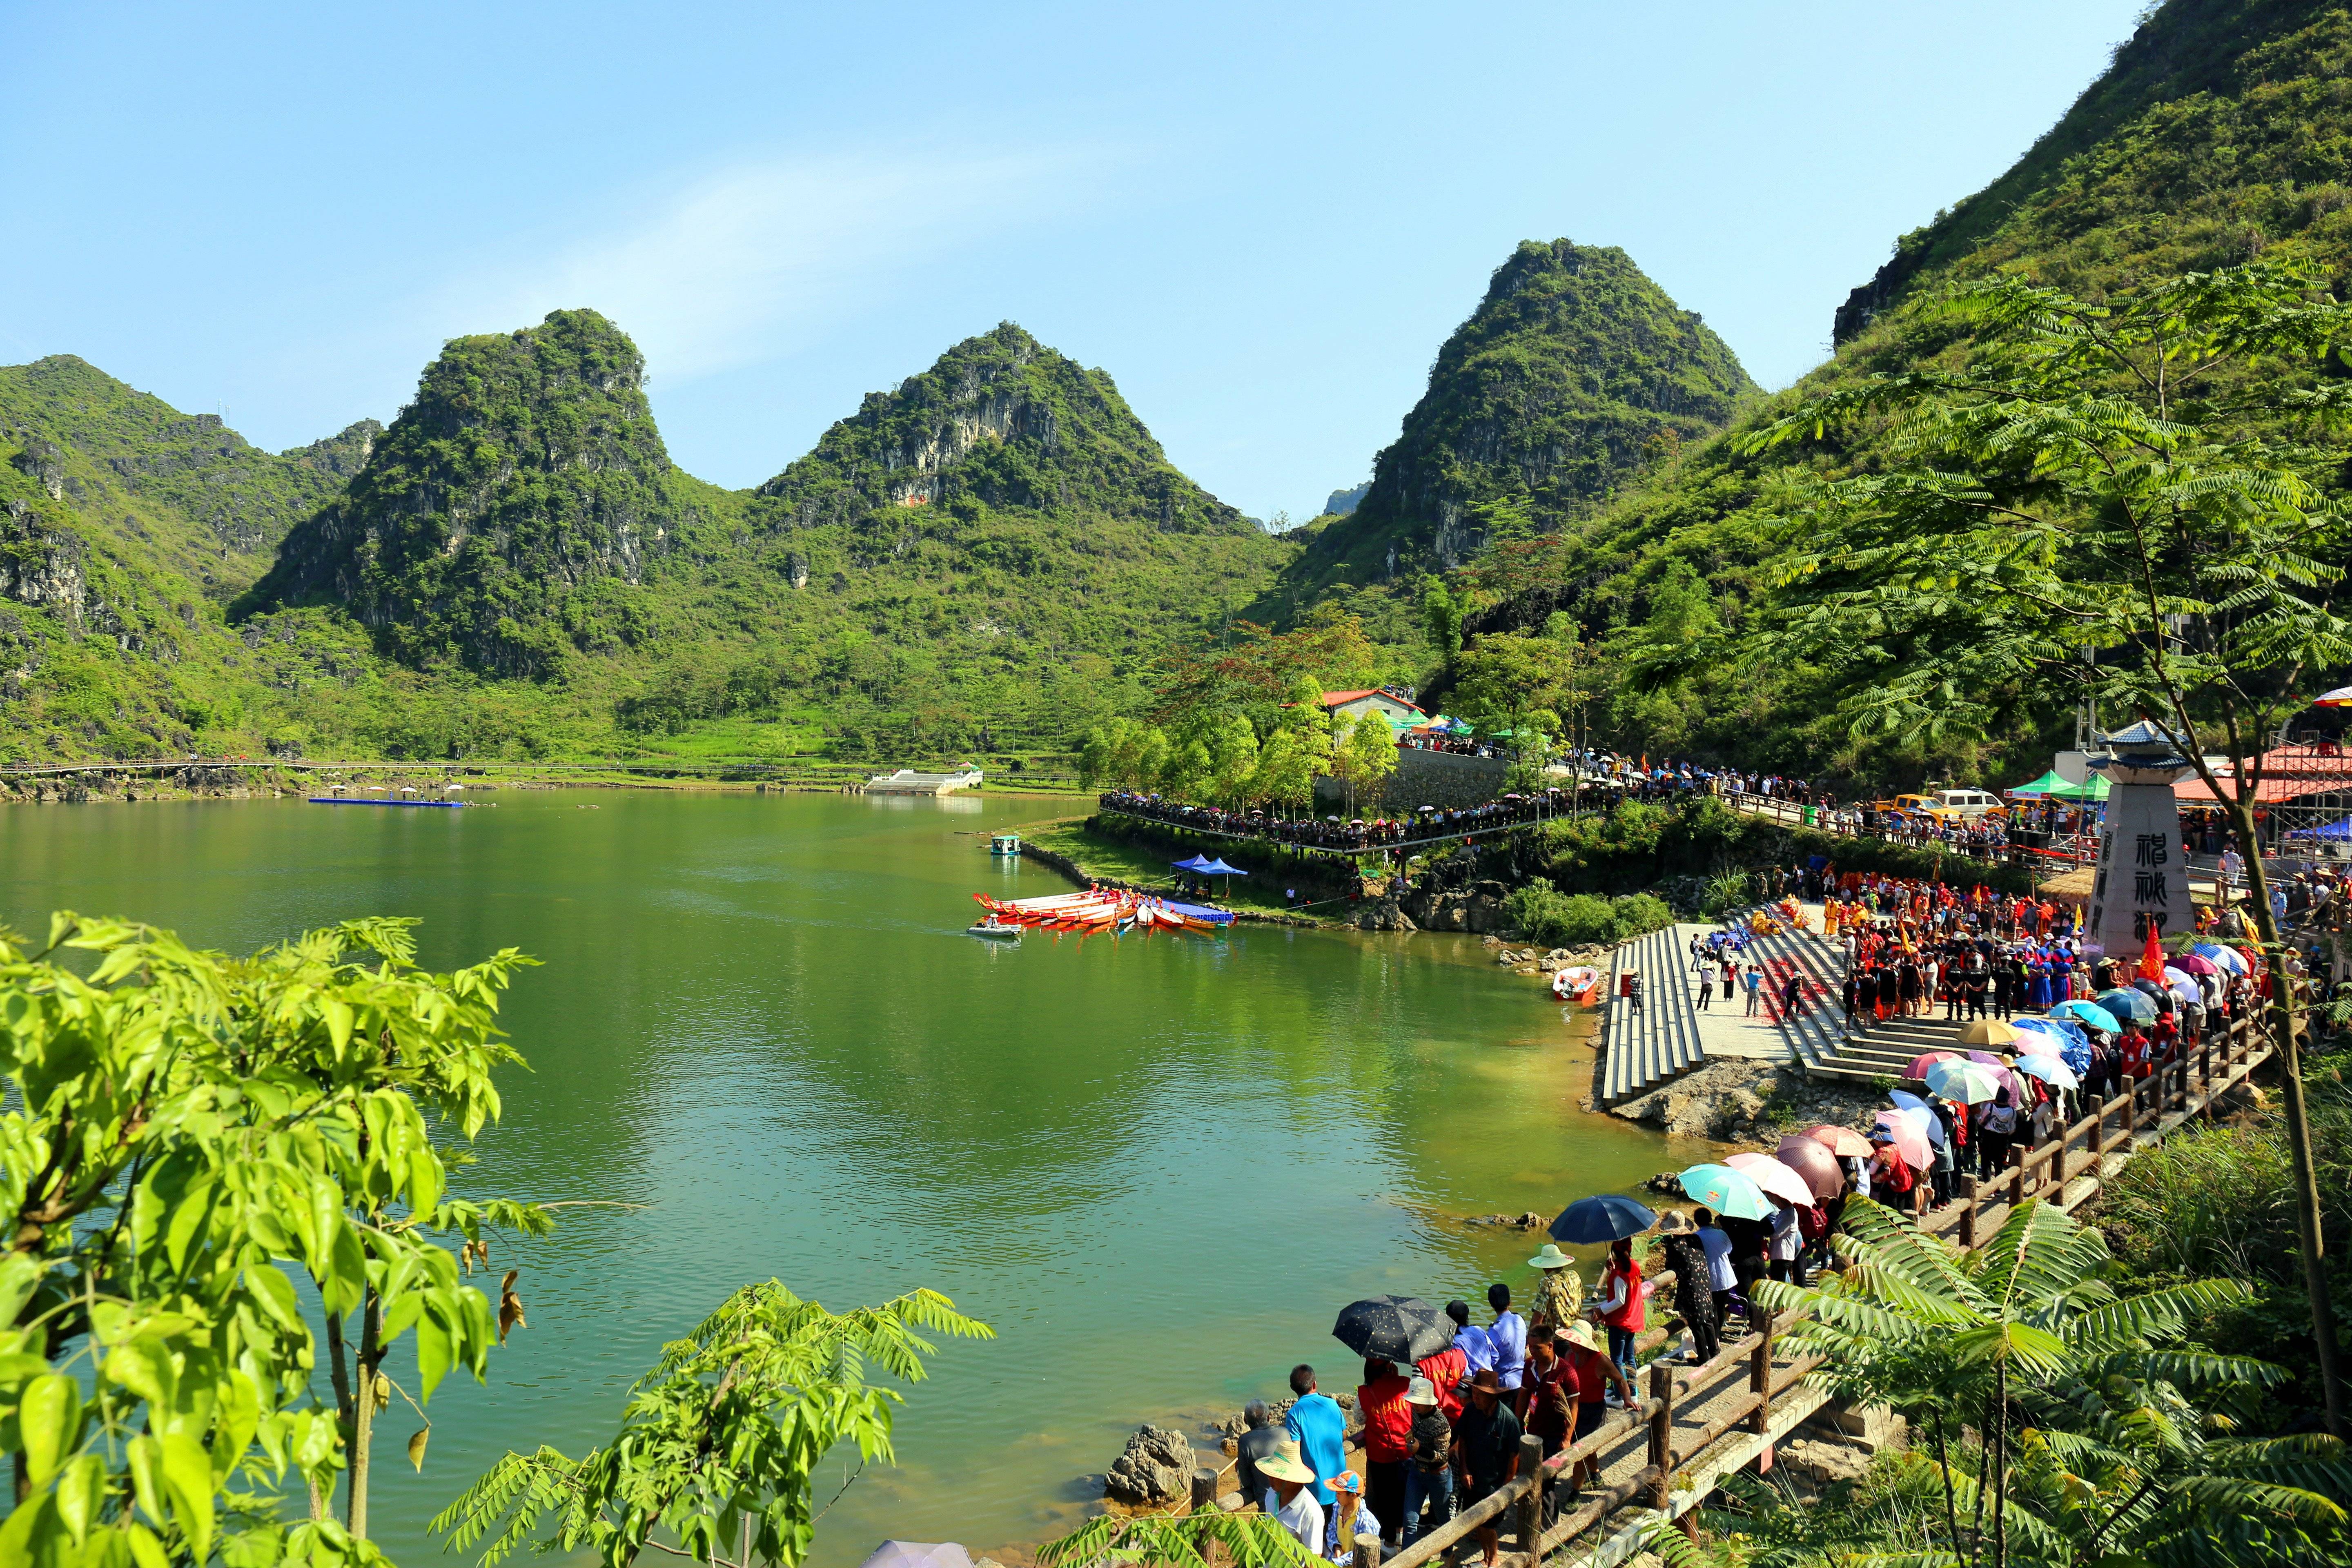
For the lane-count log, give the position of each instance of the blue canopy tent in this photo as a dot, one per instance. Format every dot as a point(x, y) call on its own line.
point(1197, 864)
point(1219, 868)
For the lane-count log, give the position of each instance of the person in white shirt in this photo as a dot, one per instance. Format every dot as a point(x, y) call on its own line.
point(1721, 1281)
point(1290, 1496)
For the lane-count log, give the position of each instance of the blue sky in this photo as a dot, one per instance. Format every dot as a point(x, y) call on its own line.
point(1261, 220)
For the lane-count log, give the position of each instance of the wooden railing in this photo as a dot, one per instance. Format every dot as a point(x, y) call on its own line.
point(1731, 1398)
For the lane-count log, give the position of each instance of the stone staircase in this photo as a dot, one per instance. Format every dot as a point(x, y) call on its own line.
point(1641, 1048)
point(1817, 1033)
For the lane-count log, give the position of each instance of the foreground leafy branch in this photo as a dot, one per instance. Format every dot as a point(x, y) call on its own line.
point(720, 1441)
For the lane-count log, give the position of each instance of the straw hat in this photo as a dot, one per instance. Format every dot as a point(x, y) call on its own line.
point(1578, 1333)
point(1676, 1223)
point(1346, 1481)
point(1550, 1258)
point(1286, 1465)
point(1420, 1391)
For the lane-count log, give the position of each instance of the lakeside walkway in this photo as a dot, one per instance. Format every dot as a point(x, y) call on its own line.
point(1696, 1426)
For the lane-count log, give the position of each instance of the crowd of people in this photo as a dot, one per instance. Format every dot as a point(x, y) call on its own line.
point(1335, 833)
point(1442, 1434)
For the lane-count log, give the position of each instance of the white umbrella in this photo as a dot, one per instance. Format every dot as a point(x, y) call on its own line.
point(1776, 1180)
point(2050, 1071)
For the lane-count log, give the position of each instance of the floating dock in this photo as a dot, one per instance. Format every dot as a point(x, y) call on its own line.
point(369, 800)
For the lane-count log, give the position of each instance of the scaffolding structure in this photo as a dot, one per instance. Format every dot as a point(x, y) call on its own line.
point(2303, 801)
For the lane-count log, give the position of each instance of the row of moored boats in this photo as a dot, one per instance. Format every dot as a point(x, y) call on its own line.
point(1096, 909)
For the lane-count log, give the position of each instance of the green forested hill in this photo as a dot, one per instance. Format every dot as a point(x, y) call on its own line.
point(1573, 371)
point(2222, 130)
point(987, 558)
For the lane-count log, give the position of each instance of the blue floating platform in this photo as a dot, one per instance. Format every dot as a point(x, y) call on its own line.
point(362, 800)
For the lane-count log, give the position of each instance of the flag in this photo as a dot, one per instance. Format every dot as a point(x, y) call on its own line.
point(2151, 957)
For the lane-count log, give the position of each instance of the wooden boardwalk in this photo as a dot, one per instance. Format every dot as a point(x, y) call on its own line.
point(1698, 1425)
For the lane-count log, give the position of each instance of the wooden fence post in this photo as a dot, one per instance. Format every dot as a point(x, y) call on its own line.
point(2205, 1056)
point(1662, 1431)
point(2099, 1138)
point(1969, 1212)
point(1759, 1378)
point(1532, 1501)
point(1204, 1491)
point(2017, 1181)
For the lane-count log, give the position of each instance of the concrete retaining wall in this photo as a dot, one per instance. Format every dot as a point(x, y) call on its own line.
point(1442, 779)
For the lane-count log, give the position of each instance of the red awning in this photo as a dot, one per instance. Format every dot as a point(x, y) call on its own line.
point(2192, 791)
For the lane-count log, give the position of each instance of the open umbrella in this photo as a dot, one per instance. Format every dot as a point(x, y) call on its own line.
point(2050, 1071)
point(2194, 963)
point(1842, 1141)
point(1609, 1218)
point(1988, 1032)
point(1777, 1179)
point(2090, 1013)
point(1910, 1142)
point(1919, 1065)
point(2129, 1002)
point(1968, 1082)
point(1393, 1328)
point(1811, 1160)
point(1933, 1126)
point(2227, 959)
point(1726, 1192)
point(2060, 1036)
point(1999, 1067)
point(916, 1555)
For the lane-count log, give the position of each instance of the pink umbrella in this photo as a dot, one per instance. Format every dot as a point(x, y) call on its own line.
point(1776, 1180)
point(2195, 963)
point(1812, 1161)
point(1910, 1142)
point(1839, 1140)
point(1919, 1065)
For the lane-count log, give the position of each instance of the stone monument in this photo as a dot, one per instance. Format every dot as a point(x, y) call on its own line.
point(2143, 878)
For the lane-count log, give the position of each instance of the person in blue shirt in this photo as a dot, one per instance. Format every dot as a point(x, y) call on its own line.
point(1508, 1336)
point(1321, 1429)
point(1469, 1339)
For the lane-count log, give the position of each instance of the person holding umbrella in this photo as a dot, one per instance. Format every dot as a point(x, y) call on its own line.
point(1619, 1306)
point(1693, 1284)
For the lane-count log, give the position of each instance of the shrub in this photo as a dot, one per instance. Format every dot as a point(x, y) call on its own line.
point(1545, 915)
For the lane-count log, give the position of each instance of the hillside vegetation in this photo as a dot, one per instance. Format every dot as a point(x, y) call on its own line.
point(2222, 130)
point(995, 556)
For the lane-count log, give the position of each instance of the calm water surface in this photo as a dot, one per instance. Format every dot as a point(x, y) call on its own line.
point(1157, 1166)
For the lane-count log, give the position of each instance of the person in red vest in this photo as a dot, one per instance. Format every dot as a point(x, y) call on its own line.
point(2135, 1049)
point(1619, 1306)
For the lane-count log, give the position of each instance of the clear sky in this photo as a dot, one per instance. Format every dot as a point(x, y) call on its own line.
point(1262, 219)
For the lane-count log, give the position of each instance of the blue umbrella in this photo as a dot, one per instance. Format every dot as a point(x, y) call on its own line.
point(2229, 958)
point(2073, 1045)
point(1727, 1191)
point(1609, 1218)
point(2089, 1013)
point(1913, 1102)
point(2124, 1001)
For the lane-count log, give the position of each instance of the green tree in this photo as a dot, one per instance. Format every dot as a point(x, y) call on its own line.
point(1363, 753)
point(184, 1135)
point(1442, 616)
point(1297, 749)
point(2100, 1435)
point(2147, 483)
point(1507, 680)
point(720, 1441)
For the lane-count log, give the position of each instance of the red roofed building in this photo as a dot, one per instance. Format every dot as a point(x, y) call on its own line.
point(1355, 704)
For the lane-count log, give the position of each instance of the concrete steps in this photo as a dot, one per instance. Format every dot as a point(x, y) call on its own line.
point(1645, 1047)
point(1818, 1033)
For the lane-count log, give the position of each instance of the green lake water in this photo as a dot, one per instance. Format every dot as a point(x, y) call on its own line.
point(1157, 1166)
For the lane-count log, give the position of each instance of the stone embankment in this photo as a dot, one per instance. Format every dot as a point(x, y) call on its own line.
point(98, 784)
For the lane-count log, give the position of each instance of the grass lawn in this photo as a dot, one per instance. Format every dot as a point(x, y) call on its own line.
point(1146, 867)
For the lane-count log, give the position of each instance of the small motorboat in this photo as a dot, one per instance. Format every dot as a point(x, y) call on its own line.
point(1005, 843)
point(993, 929)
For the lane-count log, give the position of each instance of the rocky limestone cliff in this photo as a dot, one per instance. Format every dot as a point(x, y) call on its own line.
point(528, 468)
point(1001, 419)
point(1574, 371)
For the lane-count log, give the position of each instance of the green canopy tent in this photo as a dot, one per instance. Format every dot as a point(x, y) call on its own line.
point(2053, 787)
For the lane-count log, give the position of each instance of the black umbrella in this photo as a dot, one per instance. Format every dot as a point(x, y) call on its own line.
point(1608, 1217)
point(1393, 1328)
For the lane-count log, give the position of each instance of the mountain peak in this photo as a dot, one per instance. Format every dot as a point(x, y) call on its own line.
point(527, 469)
point(999, 420)
point(1573, 366)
